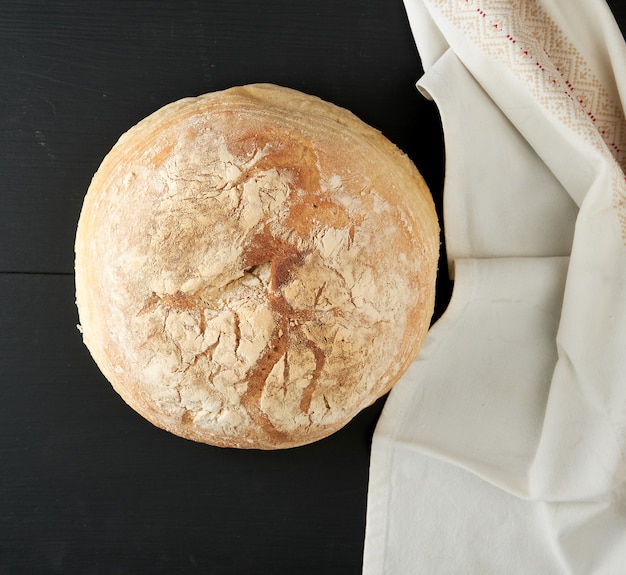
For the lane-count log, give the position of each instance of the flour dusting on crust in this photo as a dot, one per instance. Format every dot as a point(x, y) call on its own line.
point(252, 270)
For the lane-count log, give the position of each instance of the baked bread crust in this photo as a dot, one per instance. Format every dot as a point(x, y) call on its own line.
point(254, 267)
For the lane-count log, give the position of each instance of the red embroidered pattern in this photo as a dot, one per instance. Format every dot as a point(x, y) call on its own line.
point(521, 34)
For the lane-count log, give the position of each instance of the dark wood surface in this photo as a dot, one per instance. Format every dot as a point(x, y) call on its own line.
point(86, 485)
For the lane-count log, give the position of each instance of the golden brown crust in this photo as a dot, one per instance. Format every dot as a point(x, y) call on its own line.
point(254, 267)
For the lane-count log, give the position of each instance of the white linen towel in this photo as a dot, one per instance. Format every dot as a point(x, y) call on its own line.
point(503, 449)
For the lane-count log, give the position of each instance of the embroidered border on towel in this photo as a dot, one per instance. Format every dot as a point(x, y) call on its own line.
point(521, 34)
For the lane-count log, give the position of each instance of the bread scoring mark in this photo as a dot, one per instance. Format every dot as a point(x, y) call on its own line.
point(267, 248)
point(320, 359)
point(284, 260)
point(257, 378)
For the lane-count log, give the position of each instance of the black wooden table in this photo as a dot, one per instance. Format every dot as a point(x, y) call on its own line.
point(86, 485)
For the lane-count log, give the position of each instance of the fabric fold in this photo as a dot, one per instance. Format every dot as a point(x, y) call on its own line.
point(500, 199)
point(482, 385)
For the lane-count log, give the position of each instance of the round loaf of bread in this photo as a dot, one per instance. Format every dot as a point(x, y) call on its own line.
point(254, 267)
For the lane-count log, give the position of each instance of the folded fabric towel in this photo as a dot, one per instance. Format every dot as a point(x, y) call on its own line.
point(503, 449)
